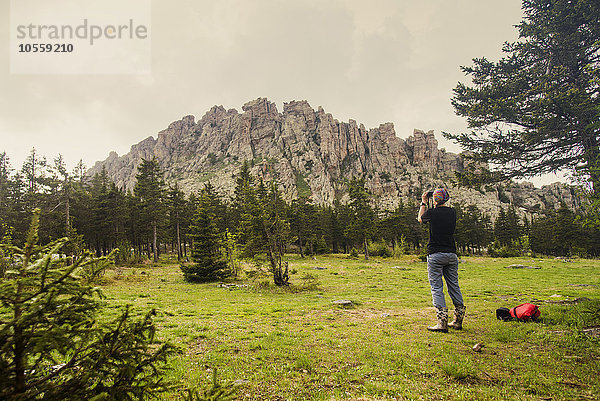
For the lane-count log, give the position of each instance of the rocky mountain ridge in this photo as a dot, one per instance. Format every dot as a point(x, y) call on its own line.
point(309, 153)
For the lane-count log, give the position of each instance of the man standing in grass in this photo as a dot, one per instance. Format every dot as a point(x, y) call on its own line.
point(441, 258)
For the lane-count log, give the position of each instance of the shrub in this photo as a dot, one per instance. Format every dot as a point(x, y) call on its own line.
point(309, 282)
point(380, 248)
point(127, 256)
point(401, 247)
point(320, 246)
point(516, 248)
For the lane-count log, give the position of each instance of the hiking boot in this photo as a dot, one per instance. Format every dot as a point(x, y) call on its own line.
point(459, 315)
point(442, 321)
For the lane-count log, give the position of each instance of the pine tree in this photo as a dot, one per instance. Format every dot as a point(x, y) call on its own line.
point(150, 195)
point(400, 225)
point(176, 204)
point(244, 194)
point(362, 215)
point(332, 231)
point(209, 263)
point(33, 170)
point(473, 229)
point(507, 228)
point(38, 192)
point(541, 235)
point(561, 233)
point(276, 232)
point(6, 205)
point(66, 187)
point(342, 228)
point(263, 226)
point(536, 110)
point(189, 211)
point(51, 347)
point(98, 231)
point(216, 206)
point(304, 224)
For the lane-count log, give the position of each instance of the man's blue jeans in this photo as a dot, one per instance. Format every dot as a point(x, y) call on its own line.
point(444, 265)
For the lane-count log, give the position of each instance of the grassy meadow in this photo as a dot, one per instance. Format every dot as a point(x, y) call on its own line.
point(297, 344)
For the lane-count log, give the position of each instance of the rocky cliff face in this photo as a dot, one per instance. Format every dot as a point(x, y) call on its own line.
point(310, 153)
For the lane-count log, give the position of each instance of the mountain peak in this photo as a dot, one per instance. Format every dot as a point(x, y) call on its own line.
point(307, 152)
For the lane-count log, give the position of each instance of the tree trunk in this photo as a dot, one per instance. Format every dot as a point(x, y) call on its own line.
point(366, 249)
point(178, 240)
point(300, 243)
point(154, 247)
point(68, 229)
point(19, 346)
point(592, 158)
point(68, 217)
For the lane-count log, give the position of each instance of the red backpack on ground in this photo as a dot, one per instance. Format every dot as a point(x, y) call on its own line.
point(525, 312)
point(522, 313)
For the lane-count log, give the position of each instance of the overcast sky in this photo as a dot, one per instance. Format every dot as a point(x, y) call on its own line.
point(373, 61)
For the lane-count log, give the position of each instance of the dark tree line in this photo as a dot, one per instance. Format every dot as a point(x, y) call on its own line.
point(562, 232)
point(155, 218)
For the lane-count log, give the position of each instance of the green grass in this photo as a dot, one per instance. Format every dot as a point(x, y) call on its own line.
point(296, 344)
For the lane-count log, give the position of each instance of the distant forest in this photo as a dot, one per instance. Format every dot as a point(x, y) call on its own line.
point(156, 218)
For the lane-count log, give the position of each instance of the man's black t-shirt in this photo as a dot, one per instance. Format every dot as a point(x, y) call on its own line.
point(442, 223)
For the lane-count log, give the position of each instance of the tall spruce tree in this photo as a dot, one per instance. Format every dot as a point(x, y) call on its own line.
point(209, 262)
point(263, 227)
point(344, 216)
point(66, 187)
point(244, 196)
point(149, 191)
point(275, 232)
point(473, 228)
point(33, 171)
point(304, 224)
point(507, 228)
point(98, 232)
point(362, 216)
point(537, 110)
point(6, 204)
point(332, 231)
point(217, 207)
point(176, 205)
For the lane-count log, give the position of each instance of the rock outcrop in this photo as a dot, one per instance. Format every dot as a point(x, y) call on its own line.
point(309, 153)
